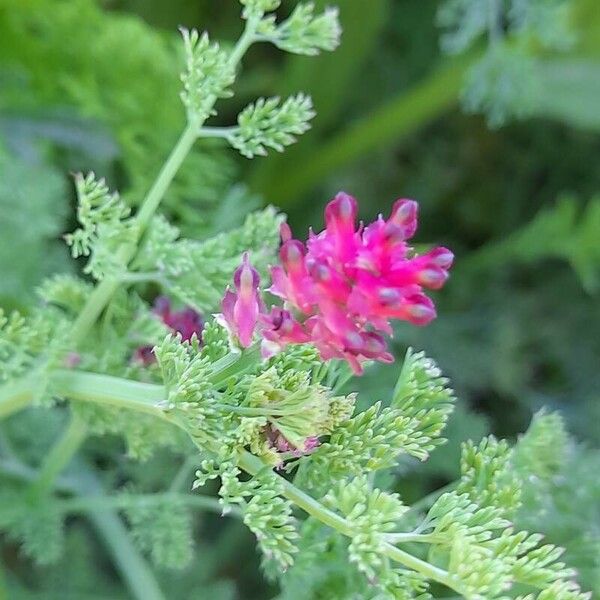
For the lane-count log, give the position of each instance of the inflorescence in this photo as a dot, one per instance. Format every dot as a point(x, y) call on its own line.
point(341, 289)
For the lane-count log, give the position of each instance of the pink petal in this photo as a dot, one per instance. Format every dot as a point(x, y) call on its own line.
point(441, 257)
point(404, 215)
point(340, 218)
point(285, 232)
point(228, 306)
point(246, 278)
point(420, 309)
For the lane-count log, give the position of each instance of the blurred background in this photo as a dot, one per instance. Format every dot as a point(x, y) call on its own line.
point(492, 124)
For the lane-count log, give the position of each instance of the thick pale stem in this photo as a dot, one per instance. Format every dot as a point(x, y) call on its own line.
point(217, 132)
point(14, 396)
point(108, 390)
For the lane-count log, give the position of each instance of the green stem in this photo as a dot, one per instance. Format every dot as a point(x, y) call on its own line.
point(113, 391)
point(14, 396)
point(257, 412)
point(245, 41)
point(105, 289)
point(217, 132)
point(130, 563)
point(94, 503)
point(142, 397)
point(426, 502)
point(424, 568)
point(421, 538)
point(59, 457)
point(234, 364)
point(95, 304)
point(252, 464)
point(166, 175)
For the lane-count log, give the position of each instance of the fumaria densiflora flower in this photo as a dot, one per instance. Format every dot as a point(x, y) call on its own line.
point(341, 288)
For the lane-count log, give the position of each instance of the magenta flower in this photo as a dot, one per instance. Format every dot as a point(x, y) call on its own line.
point(280, 329)
point(186, 322)
point(240, 309)
point(341, 289)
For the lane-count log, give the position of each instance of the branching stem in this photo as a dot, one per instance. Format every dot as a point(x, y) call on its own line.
point(246, 40)
point(106, 289)
point(150, 399)
point(426, 502)
point(146, 398)
point(216, 132)
point(252, 464)
point(420, 538)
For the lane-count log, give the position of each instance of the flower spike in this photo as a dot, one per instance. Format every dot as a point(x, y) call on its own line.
point(344, 286)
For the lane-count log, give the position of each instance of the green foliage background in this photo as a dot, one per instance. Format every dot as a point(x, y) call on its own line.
point(94, 86)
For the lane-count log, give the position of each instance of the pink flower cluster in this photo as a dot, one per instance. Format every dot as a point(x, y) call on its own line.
point(341, 288)
point(186, 322)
